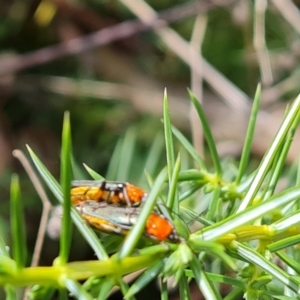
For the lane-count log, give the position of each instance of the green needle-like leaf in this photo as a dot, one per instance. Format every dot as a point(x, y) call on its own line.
point(208, 134)
point(172, 201)
point(66, 236)
point(106, 287)
point(11, 292)
point(138, 229)
point(124, 289)
point(213, 204)
point(270, 154)
point(154, 154)
point(203, 281)
point(126, 155)
point(53, 185)
point(255, 258)
point(168, 138)
point(235, 221)
point(113, 166)
point(164, 291)
point(151, 273)
point(17, 224)
point(76, 289)
point(249, 135)
point(93, 173)
point(184, 290)
point(284, 243)
point(189, 148)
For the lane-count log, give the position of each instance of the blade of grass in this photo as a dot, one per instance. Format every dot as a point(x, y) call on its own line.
point(106, 288)
point(249, 135)
point(164, 291)
point(93, 173)
point(124, 289)
point(282, 158)
point(17, 224)
point(204, 284)
point(147, 276)
point(267, 188)
point(213, 204)
point(161, 203)
point(47, 176)
point(148, 207)
point(113, 166)
point(250, 214)
point(62, 294)
point(257, 259)
point(85, 230)
point(284, 243)
point(286, 222)
point(269, 156)
point(189, 192)
point(235, 293)
point(40, 292)
point(220, 279)
point(208, 134)
point(211, 248)
point(168, 137)
point(189, 148)
point(184, 290)
point(292, 263)
point(194, 216)
point(66, 235)
point(127, 152)
point(76, 289)
point(173, 204)
point(11, 292)
point(297, 204)
point(154, 154)
point(185, 158)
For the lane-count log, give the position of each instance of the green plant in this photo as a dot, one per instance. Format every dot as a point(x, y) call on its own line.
point(241, 234)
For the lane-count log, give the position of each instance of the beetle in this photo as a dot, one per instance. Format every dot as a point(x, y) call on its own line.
point(112, 192)
point(117, 219)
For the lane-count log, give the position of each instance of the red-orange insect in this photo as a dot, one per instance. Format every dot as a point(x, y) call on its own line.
point(112, 219)
point(112, 192)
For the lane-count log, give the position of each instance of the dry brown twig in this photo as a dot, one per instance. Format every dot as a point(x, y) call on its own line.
point(47, 206)
point(274, 93)
point(267, 124)
point(233, 96)
point(103, 37)
point(289, 11)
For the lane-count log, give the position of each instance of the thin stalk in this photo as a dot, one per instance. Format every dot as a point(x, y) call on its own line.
point(249, 136)
point(208, 134)
point(17, 224)
point(270, 154)
point(168, 138)
point(66, 236)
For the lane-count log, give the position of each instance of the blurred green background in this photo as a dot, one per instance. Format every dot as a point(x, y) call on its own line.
point(117, 89)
